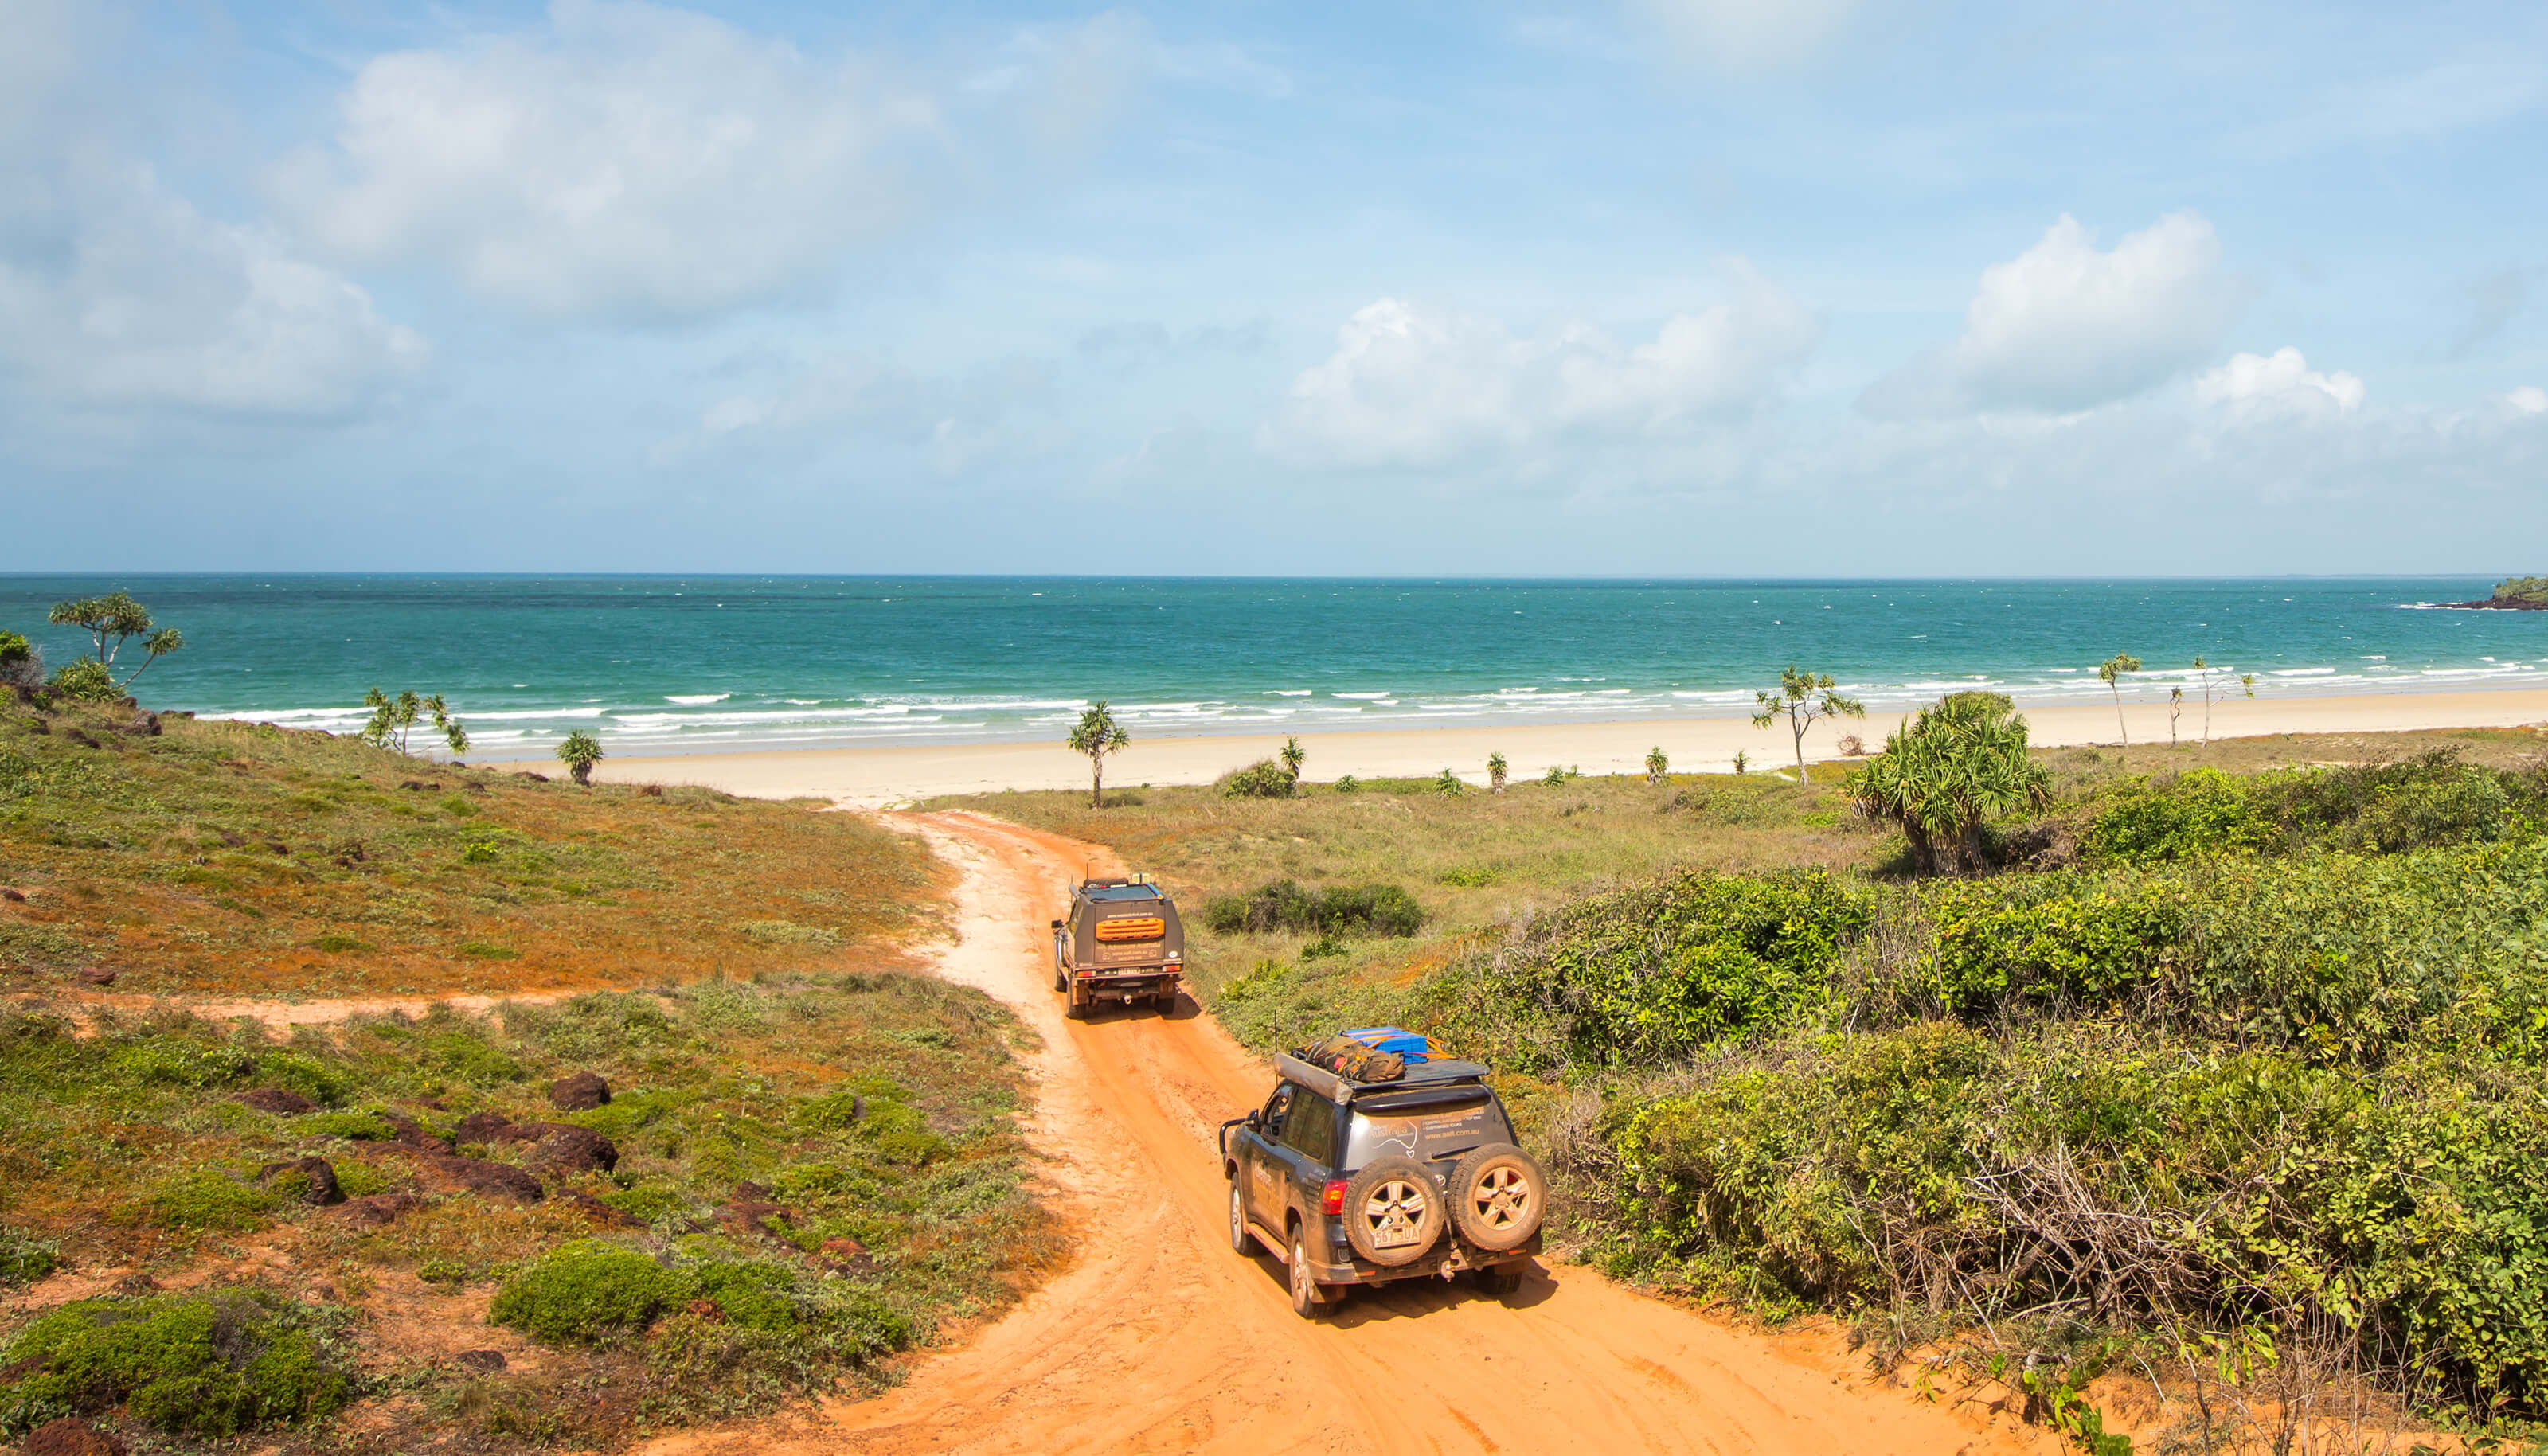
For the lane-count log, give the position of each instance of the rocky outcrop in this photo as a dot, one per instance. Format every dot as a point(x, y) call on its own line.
point(579, 1092)
point(310, 1180)
point(69, 1436)
point(380, 1210)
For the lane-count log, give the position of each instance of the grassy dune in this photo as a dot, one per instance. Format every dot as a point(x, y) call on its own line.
point(239, 859)
point(812, 1162)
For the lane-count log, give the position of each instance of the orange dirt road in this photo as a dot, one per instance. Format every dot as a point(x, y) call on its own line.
point(1160, 1338)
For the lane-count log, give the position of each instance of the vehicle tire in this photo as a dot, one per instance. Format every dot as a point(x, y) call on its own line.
point(1308, 1301)
point(1393, 1213)
point(1497, 1196)
point(1500, 1280)
point(1241, 1241)
point(1073, 1010)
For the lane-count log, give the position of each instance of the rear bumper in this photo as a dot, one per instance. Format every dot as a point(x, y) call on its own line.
point(1125, 986)
point(1448, 1257)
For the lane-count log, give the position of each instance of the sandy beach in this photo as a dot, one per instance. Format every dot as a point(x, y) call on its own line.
point(872, 777)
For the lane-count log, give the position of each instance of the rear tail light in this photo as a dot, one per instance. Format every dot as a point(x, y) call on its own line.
point(1331, 1199)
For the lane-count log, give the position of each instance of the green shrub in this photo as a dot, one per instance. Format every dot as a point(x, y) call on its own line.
point(2204, 812)
point(488, 950)
point(753, 1295)
point(203, 1365)
point(1654, 974)
point(173, 1062)
point(25, 1258)
point(19, 775)
point(1266, 779)
point(1283, 905)
point(208, 1202)
point(586, 1291)
point(900, 1133)
point(336, 945)
point(647, 1201)
point(353, 1126)
point(85, 681)
point(2427, 802)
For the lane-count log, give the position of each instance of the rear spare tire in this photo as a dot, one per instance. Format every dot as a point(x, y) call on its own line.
point(1498, 1195)
point(1393, 1213)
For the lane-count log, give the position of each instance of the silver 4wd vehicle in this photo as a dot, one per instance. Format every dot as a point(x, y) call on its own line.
point(1120, 942)
point(1366, 1182)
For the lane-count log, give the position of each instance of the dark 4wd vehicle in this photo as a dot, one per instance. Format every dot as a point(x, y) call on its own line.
point(1366, 1182)
point(1122, 943)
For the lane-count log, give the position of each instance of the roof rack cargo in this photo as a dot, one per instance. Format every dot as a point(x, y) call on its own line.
point(1339, 1089)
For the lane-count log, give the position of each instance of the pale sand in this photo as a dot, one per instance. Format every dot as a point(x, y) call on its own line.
point(869, 777)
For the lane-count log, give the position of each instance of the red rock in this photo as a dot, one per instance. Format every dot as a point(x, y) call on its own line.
point(71, 1436)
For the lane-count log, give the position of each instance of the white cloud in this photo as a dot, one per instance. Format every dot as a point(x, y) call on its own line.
point(2063, 326)
point(1411, 386)
point(2528, 400)
point(2281, 384)
point(116, 291)
point(631, 158)
point(1738, 34)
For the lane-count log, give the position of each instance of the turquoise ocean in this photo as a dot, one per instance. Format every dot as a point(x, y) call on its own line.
point(697, 663)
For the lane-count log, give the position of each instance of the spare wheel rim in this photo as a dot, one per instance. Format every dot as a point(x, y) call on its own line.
point(1501, 1198)
point(1393, 1213)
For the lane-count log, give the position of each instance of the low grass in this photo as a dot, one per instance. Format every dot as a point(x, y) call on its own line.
point(816, 1151)
point(757, 1127)
point(242, 857)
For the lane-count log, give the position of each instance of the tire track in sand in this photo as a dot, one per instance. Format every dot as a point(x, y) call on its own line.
point(1160, 1338)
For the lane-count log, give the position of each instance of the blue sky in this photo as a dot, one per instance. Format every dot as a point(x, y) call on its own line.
point(1706, 287)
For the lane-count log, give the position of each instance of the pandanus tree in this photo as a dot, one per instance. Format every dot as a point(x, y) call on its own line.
point(113, 620)
point(1947, 774)
point(1293, 757)
point(1496, 769)
point(1097, 735)
point(1657, 765)
point(2111, 672)
point(580, 753)
point(1801, 698)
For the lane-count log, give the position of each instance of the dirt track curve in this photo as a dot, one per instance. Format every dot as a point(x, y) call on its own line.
point(1160, 1338)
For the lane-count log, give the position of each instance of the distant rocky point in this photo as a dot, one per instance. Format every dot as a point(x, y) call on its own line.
point(2516, 594)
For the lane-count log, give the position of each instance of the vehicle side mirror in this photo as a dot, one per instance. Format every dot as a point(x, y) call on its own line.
point(1057, 925)
point(1254, 1121)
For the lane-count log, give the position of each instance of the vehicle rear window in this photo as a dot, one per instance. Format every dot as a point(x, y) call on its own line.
point(1424, 1132)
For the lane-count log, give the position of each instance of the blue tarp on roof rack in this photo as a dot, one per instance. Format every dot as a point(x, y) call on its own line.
point(1408, 1045)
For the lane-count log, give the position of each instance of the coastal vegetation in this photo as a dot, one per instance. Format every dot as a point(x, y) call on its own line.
point(112, 621)
point(580, 751)
point(2517, 593)
point(163, 855)
point(2209, 1071)
point(2112, 673)
point(394, 718)
point(1802, 699)
point(1094, 736)
point(715, 1152)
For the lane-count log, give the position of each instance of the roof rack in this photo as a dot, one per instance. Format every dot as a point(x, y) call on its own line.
point(1342, 1089)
